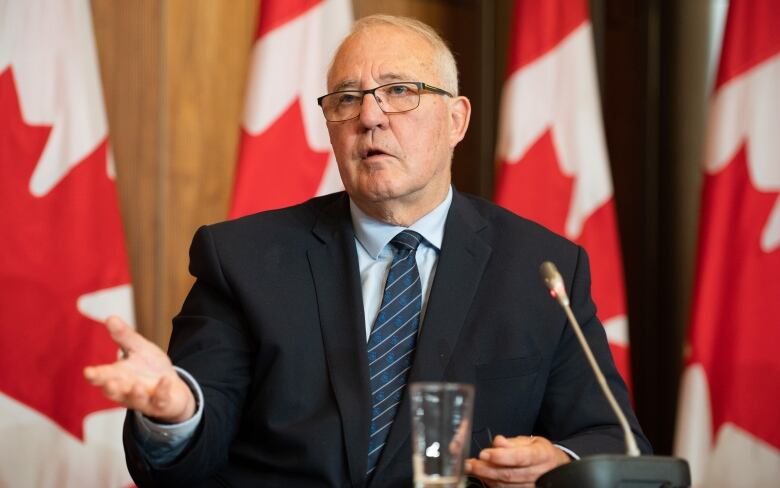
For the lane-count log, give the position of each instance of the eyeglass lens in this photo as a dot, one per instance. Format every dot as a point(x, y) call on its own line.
point(392, 98)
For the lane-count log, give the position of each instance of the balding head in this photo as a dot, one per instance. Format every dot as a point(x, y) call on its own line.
point(442, 56)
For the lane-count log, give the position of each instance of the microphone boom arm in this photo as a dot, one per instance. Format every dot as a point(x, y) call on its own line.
point(552, 278)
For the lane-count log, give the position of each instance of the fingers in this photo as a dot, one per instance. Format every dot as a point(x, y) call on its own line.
point(101, 375)
point(90, 373)
point(494, 475)
point(124, 336)
point(169, 400)
point(145, 380)
point(116, 384)
point(502, 441)
point(515, 461)
point(514, 452)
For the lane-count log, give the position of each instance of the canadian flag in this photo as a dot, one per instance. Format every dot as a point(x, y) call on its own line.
point(285, 155)
point(728, 424)
point(553, 160)
point(63, 265)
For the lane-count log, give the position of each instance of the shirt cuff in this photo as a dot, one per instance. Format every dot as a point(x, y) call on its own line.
point(162, 443)
point(568, 451)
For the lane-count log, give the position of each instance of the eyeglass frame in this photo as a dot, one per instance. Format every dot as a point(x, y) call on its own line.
point(422, 86)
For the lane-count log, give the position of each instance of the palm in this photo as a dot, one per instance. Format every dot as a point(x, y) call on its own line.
point(143, 380)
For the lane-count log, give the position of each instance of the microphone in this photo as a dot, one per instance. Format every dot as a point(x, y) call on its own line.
point(554, 281)
point(608, 470)
point(552, 278)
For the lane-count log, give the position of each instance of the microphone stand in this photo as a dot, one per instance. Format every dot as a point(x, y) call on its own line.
point(608, 471)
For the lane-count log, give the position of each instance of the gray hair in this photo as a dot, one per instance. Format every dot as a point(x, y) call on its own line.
point(448, 68)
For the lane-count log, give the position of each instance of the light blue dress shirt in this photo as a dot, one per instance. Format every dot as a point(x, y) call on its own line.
point(372, 240)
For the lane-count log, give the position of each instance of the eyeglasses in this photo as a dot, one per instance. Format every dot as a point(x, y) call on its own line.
point(392, 98)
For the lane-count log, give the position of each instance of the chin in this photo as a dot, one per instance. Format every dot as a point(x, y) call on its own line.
point(377, 196)
point(378, 188)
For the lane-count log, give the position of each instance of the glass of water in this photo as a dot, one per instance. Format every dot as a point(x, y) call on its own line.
point(441, 432)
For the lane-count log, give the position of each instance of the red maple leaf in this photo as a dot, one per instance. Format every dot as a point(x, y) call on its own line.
point(276, 167)
point(735, 328)
point(535, 188)
point(55, 248)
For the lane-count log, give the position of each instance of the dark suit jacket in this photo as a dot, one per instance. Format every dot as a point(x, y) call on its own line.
point(273, 330)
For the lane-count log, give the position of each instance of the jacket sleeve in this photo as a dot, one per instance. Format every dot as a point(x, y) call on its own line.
point(210, 341)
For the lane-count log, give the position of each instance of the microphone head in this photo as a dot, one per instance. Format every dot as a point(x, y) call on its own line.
point(554, 282)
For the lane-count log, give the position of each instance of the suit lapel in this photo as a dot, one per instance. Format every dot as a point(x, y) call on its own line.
point(333, 262)
point(464, 255)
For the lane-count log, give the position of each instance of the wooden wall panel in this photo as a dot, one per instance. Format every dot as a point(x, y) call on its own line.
point(128, 40)
point(207, 47)
point(173, 74)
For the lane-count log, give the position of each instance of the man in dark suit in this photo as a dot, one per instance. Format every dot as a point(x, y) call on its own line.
point(276, 345)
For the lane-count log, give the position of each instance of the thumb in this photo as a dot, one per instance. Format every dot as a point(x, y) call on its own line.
point(501, 441)
point(123, 335)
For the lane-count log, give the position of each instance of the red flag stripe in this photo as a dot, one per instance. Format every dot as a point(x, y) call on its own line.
point(752, 35)
point(542, 25)
point(278, 165)
point(273, 14)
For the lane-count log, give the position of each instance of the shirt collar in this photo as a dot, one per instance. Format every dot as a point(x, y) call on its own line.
point(374, 235)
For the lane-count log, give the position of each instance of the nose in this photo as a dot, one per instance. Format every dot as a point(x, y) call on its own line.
point(371, 114)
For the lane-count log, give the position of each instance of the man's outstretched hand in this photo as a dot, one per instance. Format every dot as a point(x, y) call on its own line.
point(515, 461)
point(143, 379)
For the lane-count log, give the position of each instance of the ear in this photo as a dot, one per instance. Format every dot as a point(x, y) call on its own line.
point(460, 114)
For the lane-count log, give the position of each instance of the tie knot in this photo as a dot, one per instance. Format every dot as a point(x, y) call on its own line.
point(406, 240)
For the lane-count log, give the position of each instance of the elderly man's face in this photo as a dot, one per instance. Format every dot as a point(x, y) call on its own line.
point(400, 158)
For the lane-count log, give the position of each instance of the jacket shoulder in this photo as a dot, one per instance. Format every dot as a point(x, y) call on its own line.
point(508, 227)
point(287, 221)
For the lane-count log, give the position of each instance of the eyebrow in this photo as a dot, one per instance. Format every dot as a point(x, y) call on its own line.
point(385, 78)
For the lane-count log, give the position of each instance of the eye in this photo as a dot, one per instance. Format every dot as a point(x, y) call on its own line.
point(398, 90)
point(347, 99)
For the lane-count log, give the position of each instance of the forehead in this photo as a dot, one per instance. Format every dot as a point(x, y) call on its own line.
point(383, 54)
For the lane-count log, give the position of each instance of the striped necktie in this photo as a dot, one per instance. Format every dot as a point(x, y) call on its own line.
point(392, 340)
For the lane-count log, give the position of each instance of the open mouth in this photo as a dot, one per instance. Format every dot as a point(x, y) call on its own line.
point(368, 153)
